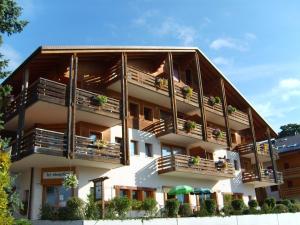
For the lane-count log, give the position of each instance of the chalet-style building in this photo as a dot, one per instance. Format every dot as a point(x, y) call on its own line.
point(147, 118)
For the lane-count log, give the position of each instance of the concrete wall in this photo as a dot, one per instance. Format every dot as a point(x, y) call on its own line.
point(270, 219)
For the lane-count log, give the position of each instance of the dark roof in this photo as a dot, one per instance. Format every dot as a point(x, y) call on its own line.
point(288, 144)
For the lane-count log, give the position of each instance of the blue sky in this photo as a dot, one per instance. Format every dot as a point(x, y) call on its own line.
point(255, 43)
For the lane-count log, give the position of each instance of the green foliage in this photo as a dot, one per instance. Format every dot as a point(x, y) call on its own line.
point(294, 208)
point(92, 209)
point(161, 82)
point(99, 100)
point(189, 126)
point(227, 209)
point(253, 204)
point(271, 202)
point(121, 206)
point(290, 129)
point(238, 205)
point(185, 210)
point(48, 212)
point(286, 202)
point(231, 109)
point(195, 160)
point(214, 100)
point(280, 208)
point(201, 213)
point(266, 209)
point(70, 181)
point(210, 206)
point(149, 205)
point(136, 204)
point(217, 133)
point(22, 222)
point(73, 211)
point(187, 91)
point(171, 207)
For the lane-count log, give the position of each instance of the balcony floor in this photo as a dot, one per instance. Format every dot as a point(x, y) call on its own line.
point(194, 175)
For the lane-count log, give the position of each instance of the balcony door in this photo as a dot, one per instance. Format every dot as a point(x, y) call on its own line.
point(167, 150)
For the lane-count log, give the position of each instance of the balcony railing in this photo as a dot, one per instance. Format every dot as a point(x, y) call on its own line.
point(183, 163)
point(261, 148)
point(193, 99)
point(266, 176)
point(213, 136)
point(239, 116)
point(54, 92)
point(216, 108)
point(182, 128)
point(54, 143)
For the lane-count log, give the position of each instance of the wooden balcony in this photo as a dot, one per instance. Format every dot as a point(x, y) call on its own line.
point(291, 173)
point(50, 96)
point(181, 166)
point(214, 138)
point(51, 146)
point(290, 192)
point(185, 104)
point(267, 178)
point(247, 150)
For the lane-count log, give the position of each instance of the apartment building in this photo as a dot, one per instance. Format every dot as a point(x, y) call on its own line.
point(146, 119)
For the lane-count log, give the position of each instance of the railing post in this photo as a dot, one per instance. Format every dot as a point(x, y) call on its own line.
point(124, 114)
point(68, 101)
point(200, 98)
point(274, 166)
point(172, 92)
point(254, 143)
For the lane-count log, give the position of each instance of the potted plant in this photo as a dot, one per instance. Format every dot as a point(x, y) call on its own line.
point(189, 126)
point(214, 100)
point(231, 109)
point(161, 82)
point(187, 91)
point(99, 100)
point(195, 161)
point(217, 133)
point(70, 181)
point(100, 143)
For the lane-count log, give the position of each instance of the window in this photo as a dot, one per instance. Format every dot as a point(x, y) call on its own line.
point(94, 135)
point(148, 194)
point(148, 114)
point(274, 188)
point(124, 193)
point(133, 110)
point(166, 150)
point(290, 183)
point(148, 150)
point(133, 148)
point(135, 194)
point(177, 150)
point(57, 196)
point(175, 72)
point(236, 164)
point(188, 77)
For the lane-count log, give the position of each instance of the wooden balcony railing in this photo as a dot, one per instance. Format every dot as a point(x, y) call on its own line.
point(217, 139)
point(54, 143)
point(216, 108)
point(183, 163)
point(54, 92)
point(193, 99)
point(261, 148)
point(266, 176)
point(291, 172)
point(286, 192)
point(197, 132)
point(239, 116)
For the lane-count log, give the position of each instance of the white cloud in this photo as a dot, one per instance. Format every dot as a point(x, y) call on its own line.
point(222, 61)
point(250, 36)
point(233, 43)
point(12, 55)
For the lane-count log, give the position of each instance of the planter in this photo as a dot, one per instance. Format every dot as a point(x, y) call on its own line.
point(70, 181)
point(217, 133)
point(214, 100)
point(187, 92)
point(231, 109)
point(99, 100)
point(189, 126)
point(101, 143)
point(195, 161)
point(161, 82)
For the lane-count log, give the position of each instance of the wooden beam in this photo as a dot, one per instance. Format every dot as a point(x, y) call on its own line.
point(124, 114)
point(274, 165)
point(68, 101)
point(225, 113)
point(30, 197)
point(200, 98)
point(22, 111)
point(254, 143)
point(172, 92)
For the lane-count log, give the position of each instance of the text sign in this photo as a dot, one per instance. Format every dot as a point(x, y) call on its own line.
point(56, 174)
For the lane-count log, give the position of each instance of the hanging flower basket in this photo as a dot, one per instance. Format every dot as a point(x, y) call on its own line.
point(214, 100)
point(99, 100)
point(101, 143)
point(161, 82)
point(189, 126)
point(195, 161)
point(231, 109)
point(187, 91)
point(70, 181)
point(217, 133)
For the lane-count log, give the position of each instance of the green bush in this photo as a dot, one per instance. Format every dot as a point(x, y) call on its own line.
point(149, 205)
point(171, 207)
point(238, 204)
point(210, 206)
point(227, 210)
point(271, 202)
point(92, 209)
point(294, 201)
point(286, 202)
point(201, 213)
point(136, 204)
point(73, 211)
point(266, 209)
point(294, 208)
point(121, 205)
point(280, 208)
point(185, 210)
point(22, 222)
point(48, 212)
point(253, 204)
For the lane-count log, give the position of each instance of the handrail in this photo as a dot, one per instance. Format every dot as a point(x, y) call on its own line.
point(222, 139)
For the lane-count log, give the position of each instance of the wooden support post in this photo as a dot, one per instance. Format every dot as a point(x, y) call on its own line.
point(124, 114)
point(22, 111)
point(172, 92)
point(225, 113)
point(30, 197)
point(274, 165)
point(69, 95)
point(201, 98)
point(254, 143)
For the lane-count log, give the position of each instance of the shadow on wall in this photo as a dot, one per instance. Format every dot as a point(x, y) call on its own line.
point(146, 175)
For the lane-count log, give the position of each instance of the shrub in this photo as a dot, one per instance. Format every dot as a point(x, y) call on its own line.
point(149, 205)
point(74, 209)
point(238, 205)
point(136, 204)
point(294, 201)
point(270, 202)
point(210, 206)
point(253, 204)
point(185, 210)
point(99, 100)
point(280, 208)
point(286, 202)
point(172, 207)
point(201, 213)
point(121, 205)
point(266, 209)
point(22, 222)
point(227, 210)
point(92, 209)
point(48, 212)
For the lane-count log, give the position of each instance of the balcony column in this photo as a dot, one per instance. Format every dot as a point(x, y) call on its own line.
point(200, 98)
point(274, 165)
point(124, 113)
point(172, 92)
point(22, 111)
point(225, 113)
point(254, 143)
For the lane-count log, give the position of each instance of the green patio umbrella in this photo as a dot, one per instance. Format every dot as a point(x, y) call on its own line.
point(201, 191)
point(181, 189)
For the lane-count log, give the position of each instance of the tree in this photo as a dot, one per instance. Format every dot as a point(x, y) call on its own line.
point(290, 129)
point(9, 24)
